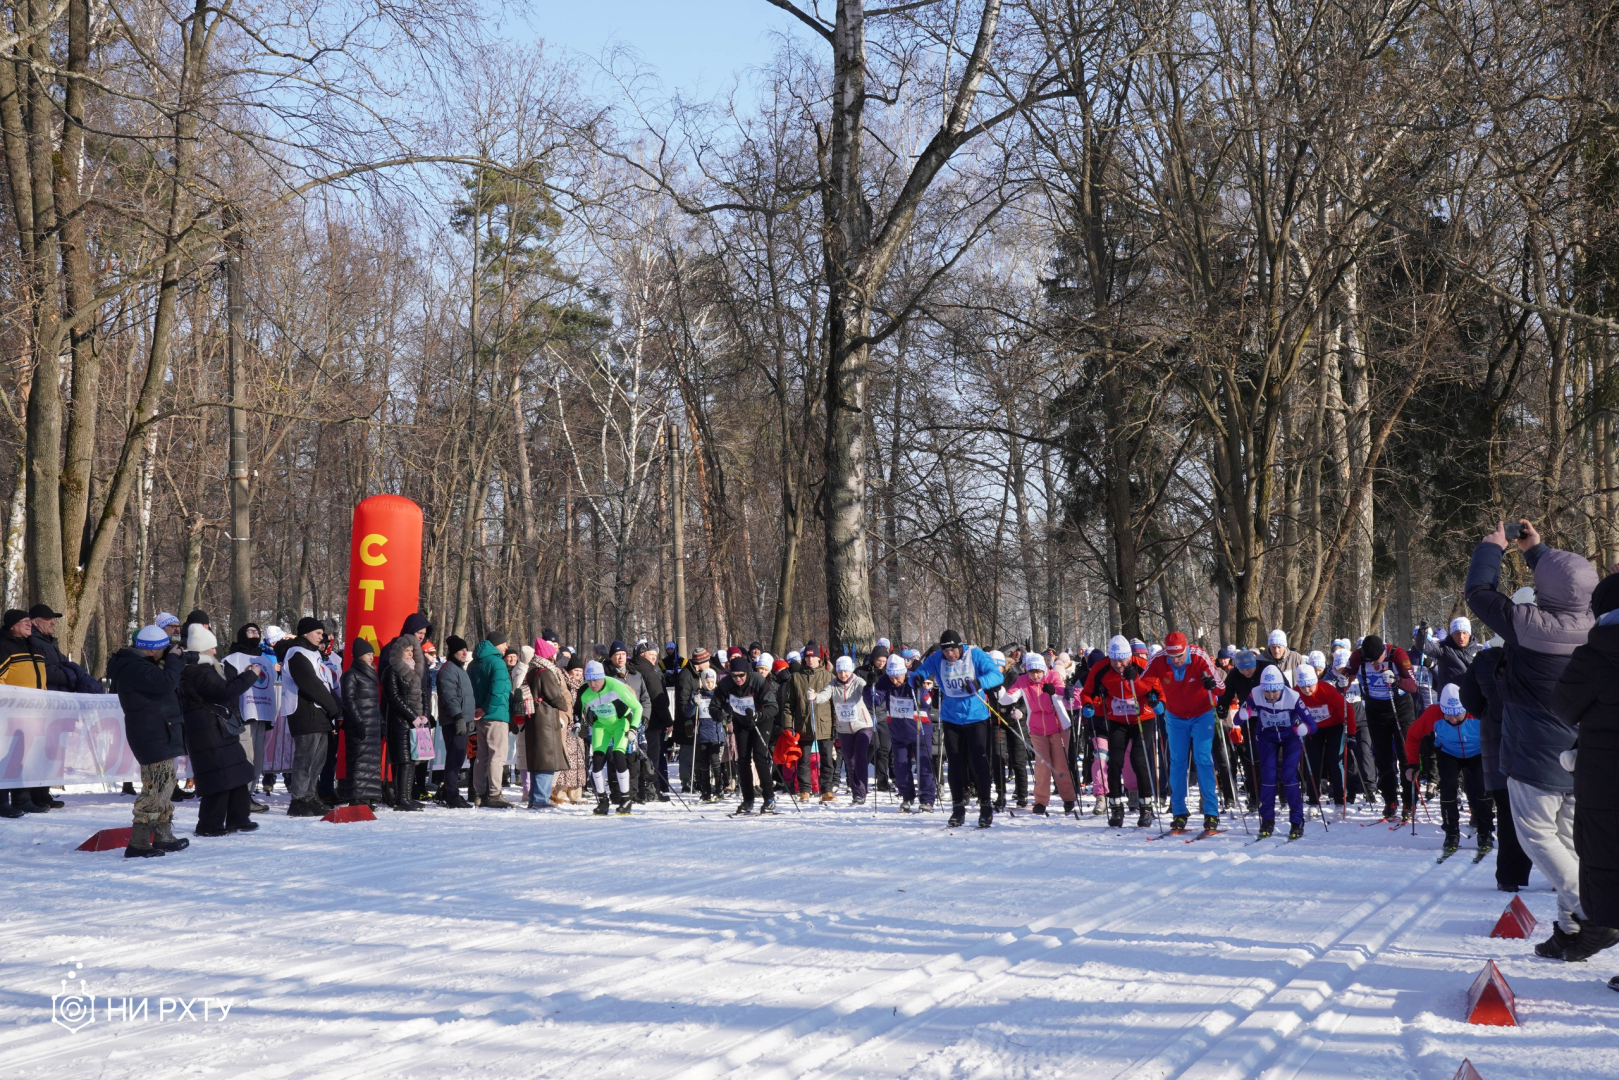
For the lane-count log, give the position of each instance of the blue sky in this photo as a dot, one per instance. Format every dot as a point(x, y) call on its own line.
point(694, 46)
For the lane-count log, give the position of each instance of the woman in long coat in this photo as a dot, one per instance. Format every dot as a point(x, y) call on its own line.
point(546, 738)
point(569, 784)
point(213, 727)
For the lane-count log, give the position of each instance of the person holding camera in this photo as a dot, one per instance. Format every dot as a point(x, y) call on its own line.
point(1540, 633)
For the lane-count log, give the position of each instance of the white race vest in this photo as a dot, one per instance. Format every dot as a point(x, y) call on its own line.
point(289, 685)
point(257, 701)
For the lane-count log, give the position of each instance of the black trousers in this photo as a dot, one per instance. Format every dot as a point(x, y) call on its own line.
point(1387, 723)
point(1138, 738)
point(1325, 750)
point(708, 763)
point(1512, 863)
point(655, 737)
point(1470, 774)
point(455, 757)
point(966, 747)
point(1362, 765)
point(1009, 753)
point(223, 810)
point(882, 756)
point(404, 769)
point(752, 745)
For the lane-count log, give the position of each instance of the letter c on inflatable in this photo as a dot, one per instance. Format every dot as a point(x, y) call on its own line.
point(385, 570)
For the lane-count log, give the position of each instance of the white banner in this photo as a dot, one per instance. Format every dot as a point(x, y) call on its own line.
point(49, 739)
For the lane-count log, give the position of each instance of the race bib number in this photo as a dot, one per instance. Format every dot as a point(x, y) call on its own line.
point(1321, 713)
point(603, 708)
point(902, 707)
point(1380, 683)
point(742, 704)
point(702, 709)
point(953, 677)
point(846, 710)
point(1125, 706)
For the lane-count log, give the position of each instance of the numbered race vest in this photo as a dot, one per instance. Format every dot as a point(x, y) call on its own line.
point(742, 704)
point(953, 676)
point(1377, 679)
point(257, 701)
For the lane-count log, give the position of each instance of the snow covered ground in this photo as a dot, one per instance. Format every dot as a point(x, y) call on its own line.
point(847, 942)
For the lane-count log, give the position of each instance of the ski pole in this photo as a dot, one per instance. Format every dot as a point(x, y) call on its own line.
point(1309, 770)
point(1231, 773)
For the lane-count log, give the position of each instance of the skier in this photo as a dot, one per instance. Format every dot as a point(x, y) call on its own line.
point(1184, 690)
point(852, 722)
point(902, 703)
point(1115, 691)
point(748, 699)
point(1327, 747)
point(1387, 682)
point(1455, 736)
point(1040, 693)
point(613, 709)
point(1280, 723)
point(960, 671)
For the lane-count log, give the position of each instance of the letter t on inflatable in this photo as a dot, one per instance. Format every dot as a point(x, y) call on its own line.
point(385, 570)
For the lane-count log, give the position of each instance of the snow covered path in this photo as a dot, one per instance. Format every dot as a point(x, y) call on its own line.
point(851, 942)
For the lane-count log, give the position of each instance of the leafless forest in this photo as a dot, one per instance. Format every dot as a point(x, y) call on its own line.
point(1040, 318)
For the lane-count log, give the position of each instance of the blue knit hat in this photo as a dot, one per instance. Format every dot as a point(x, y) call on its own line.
point(152, 636)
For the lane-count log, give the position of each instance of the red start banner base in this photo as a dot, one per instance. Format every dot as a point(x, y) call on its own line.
point(350, 813)
point(108, 840)
point(1490, 1000)
point(1517, 921)
point(1467, 1072)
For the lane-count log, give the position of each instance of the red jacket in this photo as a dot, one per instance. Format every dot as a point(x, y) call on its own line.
point(1118, 695)
point(1186, 696)
point(1329, 707)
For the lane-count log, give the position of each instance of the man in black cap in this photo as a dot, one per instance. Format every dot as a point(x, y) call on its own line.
point(312, 714)
point(656, 722)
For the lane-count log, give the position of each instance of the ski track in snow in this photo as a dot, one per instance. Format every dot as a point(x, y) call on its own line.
point(834, 943)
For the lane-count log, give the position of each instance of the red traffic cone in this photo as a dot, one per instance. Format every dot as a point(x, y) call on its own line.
point(1490, 1000)
point(108, 840)
point(1467, 1072)
point(341, 814)
point(1517, 921)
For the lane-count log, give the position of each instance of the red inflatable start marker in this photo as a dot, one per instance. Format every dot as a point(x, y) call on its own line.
point(108, 839)
point(1467, 1072)
point(1490, 999)
point(350, 813)
point(1517, 921)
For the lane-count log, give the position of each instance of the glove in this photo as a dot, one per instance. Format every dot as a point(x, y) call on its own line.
point(970, 685)
point(1158, 709)
point(1209, 682)
point(1048, 689)
point(1236, 735)
point(621, 708)
point(1087, 712)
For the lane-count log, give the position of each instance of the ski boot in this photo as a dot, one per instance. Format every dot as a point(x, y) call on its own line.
point(1177, 823)
point(986, 816)
point(1391, 811)
point(1267, 829)
point(958, 815)
point(601, 806)
point(1486, 845)
point(743, 809)
point(769, 806)
point(924, 808)
point(1069, 809)
point(906, 807)
point(1039, 810)
point(625, 804)
point(1296, 830)
point(1452, 846)
point(857, 800)
point(1000, 802)
point(1211, 825)
point(1115, 813)
point(1144, 820)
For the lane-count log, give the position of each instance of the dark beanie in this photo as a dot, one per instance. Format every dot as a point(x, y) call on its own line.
point(1371, 647)
point(495, 637)
point(1605, 597)
point(739, 665)
point(308, 625)
point(453, 645)
point(413, 622)
point(617, 646)
point(949, 637)
point(359, 647)
point(13, 617)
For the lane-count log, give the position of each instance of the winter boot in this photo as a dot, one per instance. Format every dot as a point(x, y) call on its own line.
point(986, 816)
point(1098, 808)
point(1591, 940)
point(1069, 810)
point(1000, 801)
point(1391, 811)
point(1145, 819)
point(625, 804)
point(958, 815)
point(140, 844)
point(1267, 829)
point(601, 805)
point(305, 807)
point(256, 807)
point(165, 839)
point(129, 788)
point(1552, 948)
point(1039, 810)
point(1296, 830)
point(1177, 823)
point(906, 807)
point(1115, 813)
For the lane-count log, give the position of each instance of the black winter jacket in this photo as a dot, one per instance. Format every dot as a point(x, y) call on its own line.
point(212, 725)
point(318, 712)
point(1540, 637)
point(1588, 696)
point(362, 732)
point(1481, 695)
point(652, 679)
point(153, 723)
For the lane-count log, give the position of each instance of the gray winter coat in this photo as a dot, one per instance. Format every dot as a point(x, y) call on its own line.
point(1540, 637)
point(455, 698)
